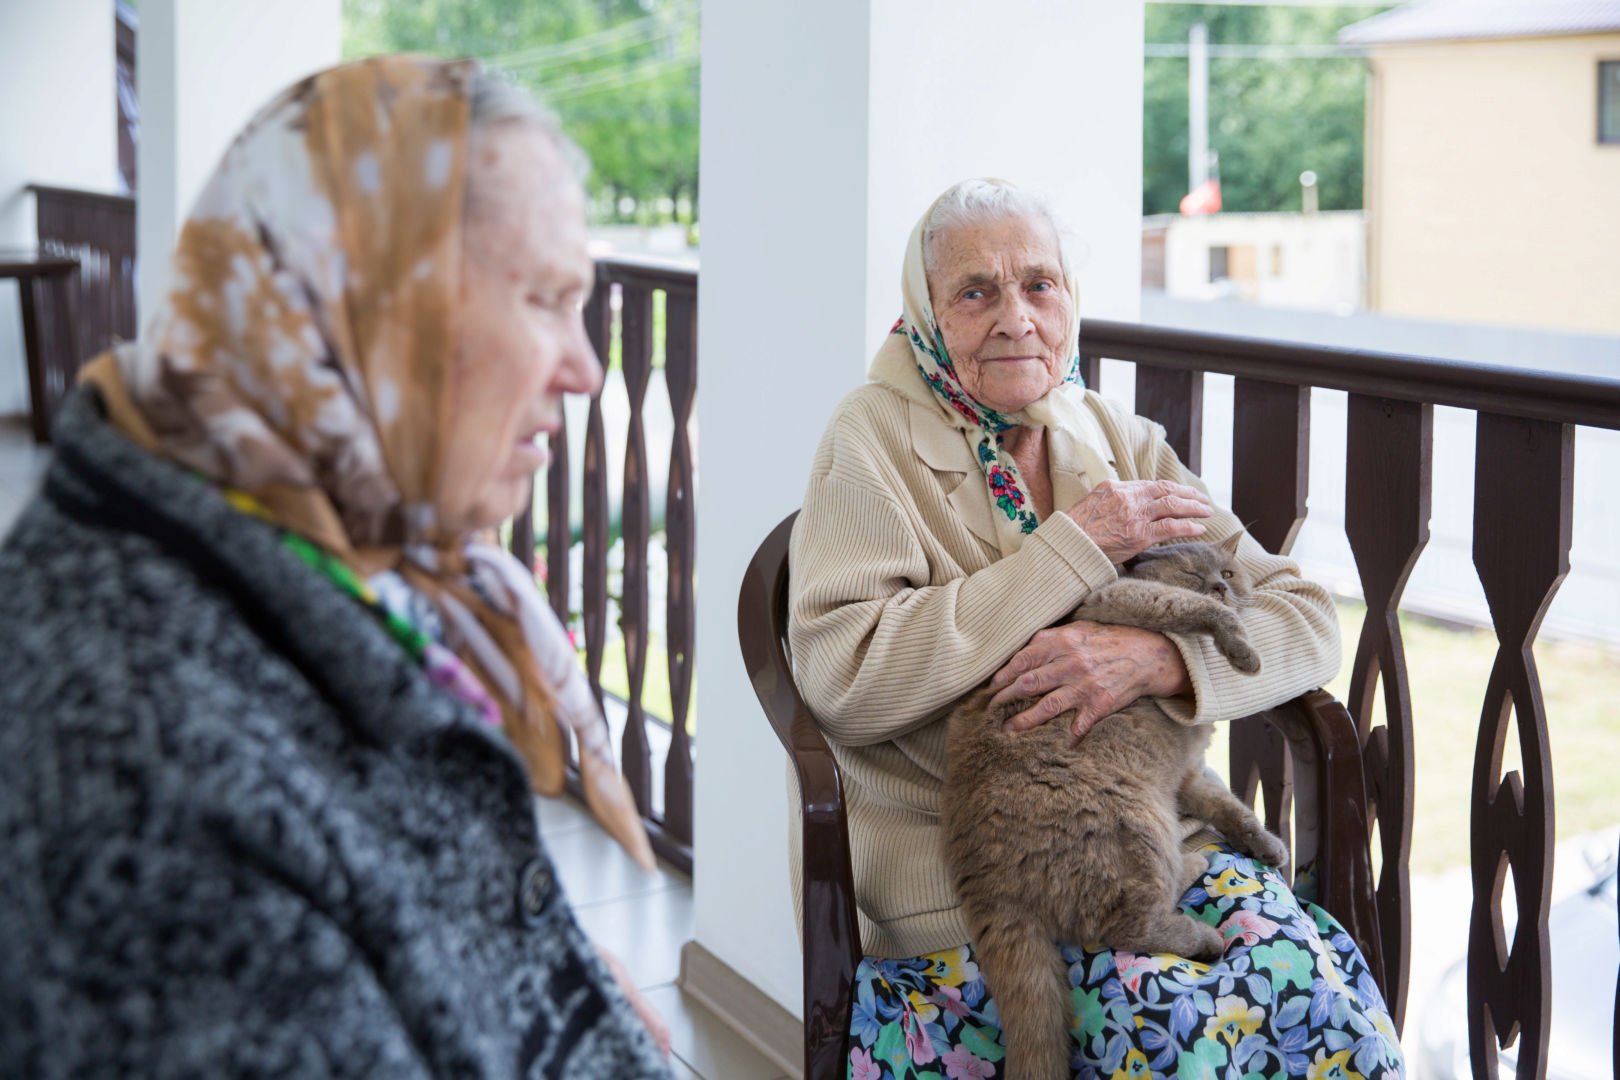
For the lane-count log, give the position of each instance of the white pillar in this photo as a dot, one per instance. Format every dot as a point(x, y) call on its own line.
point(827, 130)
point(59, 126)
point(202, 69)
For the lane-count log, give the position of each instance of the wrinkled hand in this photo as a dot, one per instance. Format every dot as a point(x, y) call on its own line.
point(648, 1015)
point(1093, 668)
point(1126, 517)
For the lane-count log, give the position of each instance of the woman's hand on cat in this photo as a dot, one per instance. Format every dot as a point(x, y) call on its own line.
point(1095, 669)
point(1126, 517)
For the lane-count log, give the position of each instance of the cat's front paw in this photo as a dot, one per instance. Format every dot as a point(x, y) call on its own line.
point(1244, 658)
point(1261, 845)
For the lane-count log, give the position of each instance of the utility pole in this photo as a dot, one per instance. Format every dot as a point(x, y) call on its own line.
point(1197, 106)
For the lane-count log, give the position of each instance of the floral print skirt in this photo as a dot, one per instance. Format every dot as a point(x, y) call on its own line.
point(1290, 997)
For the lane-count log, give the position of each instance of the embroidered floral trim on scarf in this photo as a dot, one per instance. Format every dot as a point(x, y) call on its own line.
point(443, 668)
point(1000, 471)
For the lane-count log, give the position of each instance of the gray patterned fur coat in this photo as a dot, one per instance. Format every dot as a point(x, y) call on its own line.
point(240, 832)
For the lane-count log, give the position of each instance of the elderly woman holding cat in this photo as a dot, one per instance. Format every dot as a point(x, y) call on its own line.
point(966, 498)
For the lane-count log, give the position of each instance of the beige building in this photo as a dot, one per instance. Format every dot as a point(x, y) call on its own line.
point(1493, 161)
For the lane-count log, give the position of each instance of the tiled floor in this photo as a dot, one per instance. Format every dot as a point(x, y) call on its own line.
point(644, 918)
point(21, 464)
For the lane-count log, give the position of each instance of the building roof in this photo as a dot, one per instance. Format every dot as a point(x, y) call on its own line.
point(1465, 20)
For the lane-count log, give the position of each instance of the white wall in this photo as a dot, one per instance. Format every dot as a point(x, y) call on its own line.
point(783, 333)
point(59, 125)
point(203, 68)
point(827, 130)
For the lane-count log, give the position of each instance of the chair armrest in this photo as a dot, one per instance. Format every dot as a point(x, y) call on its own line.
point(1330, 808)
point(832, 946)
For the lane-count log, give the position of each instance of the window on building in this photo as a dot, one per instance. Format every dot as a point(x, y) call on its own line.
point(1217, 264)
point(1609, 101)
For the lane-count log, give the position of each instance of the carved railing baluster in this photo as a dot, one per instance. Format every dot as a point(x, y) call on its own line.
point(559, 527)
point(1091, 370)
point(1271, 460)
point(636, 328)
point(1523, 485)
point(523, 530)
point(1174, 398)
point(594, 512)
point(99, 231)
point(680, 377)
point(1271, 451)
point(1388, 448)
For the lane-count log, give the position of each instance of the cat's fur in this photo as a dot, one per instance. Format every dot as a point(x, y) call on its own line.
point(1055, 841)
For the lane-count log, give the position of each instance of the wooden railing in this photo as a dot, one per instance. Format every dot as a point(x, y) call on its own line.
point(1523, 472)
point(625, 294)
point(99, 231)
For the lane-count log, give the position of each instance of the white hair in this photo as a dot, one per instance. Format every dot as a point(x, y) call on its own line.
point(974, 202)
point(496, 102)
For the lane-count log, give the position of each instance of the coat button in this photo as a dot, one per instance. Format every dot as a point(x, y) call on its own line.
point(535, 886)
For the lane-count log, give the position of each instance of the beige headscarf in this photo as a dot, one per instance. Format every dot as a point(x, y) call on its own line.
point(916, 338)
point(303, 355)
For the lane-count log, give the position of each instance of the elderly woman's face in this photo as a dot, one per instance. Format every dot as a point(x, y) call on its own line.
point(525, 273)
point(998, 292)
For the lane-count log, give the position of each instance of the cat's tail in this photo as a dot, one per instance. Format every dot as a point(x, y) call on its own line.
point(1027, 978)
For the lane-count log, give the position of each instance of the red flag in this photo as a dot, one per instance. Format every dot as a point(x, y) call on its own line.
point(1204, 199)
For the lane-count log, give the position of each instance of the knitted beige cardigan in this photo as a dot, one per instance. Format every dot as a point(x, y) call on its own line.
point(901, 602)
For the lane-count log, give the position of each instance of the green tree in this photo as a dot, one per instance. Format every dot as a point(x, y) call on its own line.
point(622, 76)
point(1270, 119)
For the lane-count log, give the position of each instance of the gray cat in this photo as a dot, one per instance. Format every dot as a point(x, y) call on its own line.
point(1053, 841)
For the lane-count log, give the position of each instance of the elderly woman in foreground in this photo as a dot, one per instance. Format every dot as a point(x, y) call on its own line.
point(260, 686)
point(961, 502)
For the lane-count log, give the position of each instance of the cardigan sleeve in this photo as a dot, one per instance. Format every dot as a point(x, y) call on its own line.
point(1290, 622)
point(877, 648)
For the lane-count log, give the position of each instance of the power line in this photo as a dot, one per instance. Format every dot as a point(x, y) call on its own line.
point(1257, 52)
point(601, 43)
point(1275, 3)
point(586, 46)
point(617, 79)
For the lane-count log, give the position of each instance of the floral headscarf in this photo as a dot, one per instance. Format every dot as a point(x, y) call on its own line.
point(917, 331)
point(302, 359)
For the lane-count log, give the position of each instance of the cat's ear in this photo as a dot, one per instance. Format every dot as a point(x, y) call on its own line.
point(1230, 544)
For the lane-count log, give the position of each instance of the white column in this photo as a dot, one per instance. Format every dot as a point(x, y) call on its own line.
point(59, 126)
point(827, 130)
point(202, 69)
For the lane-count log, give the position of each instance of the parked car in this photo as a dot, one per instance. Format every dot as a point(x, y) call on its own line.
point(1584, 931)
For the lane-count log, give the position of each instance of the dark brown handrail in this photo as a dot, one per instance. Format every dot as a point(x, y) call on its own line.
point(1507, 391)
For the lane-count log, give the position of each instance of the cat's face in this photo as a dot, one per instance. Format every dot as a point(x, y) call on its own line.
point(1210, 569)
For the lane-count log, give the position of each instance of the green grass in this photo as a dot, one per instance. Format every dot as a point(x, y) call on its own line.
point(1448, 670)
